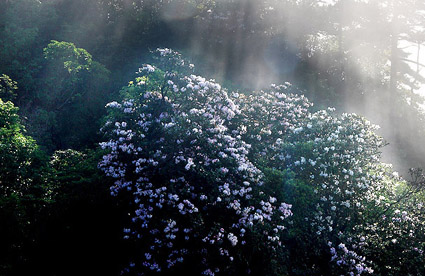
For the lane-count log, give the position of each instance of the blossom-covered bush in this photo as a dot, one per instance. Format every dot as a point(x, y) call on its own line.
point(355, 195)
point(214, 178)
point(195, 192)
point(353, 200)
point(345, 201)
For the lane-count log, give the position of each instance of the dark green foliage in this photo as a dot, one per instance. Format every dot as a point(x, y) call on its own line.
point(303, 255)
point(8, 88)
point(75, 227)
point(74, 91)
point(80, 231)
point(57, 217)
point(22, 192)
point(18, 153)
point(24, 25)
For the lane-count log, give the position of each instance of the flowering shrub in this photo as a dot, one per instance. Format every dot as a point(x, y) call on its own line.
point(338, 158)
point(353, 198)
point(212, 174)
point(195, 191)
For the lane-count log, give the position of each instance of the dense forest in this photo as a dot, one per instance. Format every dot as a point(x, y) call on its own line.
point(212, 137)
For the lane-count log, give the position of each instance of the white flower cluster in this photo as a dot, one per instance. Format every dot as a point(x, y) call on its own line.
point(267, 116)
point(349, 260)
point(149, 68)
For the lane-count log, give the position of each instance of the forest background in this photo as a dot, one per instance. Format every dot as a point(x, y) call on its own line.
point(62, 61)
